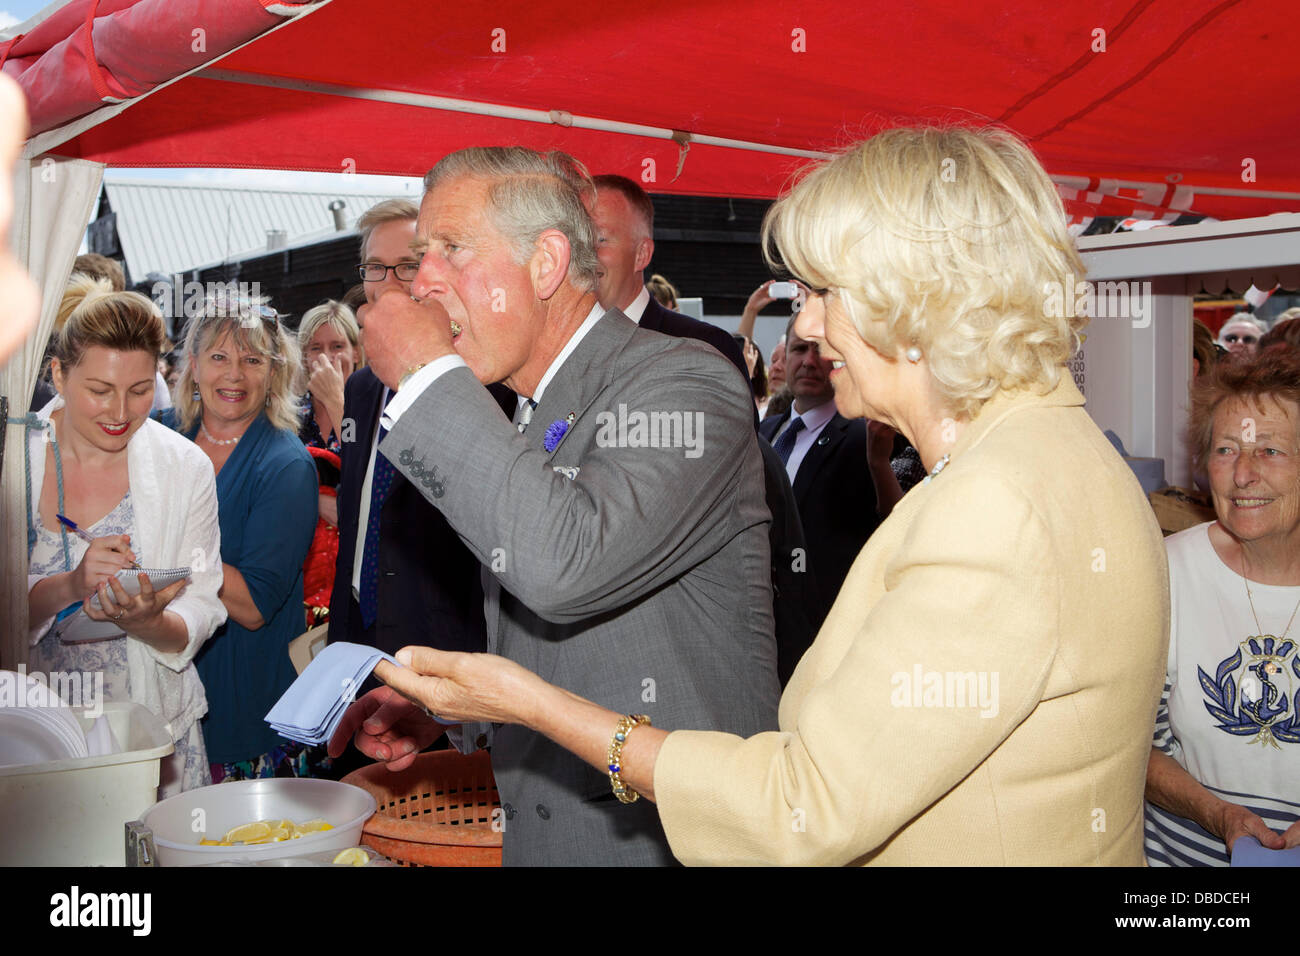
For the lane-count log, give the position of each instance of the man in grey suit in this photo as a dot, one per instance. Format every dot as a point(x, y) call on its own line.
point(620, 519)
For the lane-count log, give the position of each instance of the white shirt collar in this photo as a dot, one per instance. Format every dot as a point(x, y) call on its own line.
point(815, 418)
point(637, 308)
point(592, 318)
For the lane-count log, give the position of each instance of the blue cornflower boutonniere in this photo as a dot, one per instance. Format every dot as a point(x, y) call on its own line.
point(556, 430)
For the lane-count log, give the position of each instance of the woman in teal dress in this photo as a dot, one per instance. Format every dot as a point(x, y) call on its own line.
point(235, 400)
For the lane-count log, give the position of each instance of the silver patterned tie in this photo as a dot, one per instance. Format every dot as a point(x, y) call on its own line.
point(526, 415)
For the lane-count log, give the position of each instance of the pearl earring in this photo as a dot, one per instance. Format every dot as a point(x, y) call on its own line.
point(913, 354)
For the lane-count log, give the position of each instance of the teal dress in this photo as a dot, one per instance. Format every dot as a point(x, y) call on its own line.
point(267, 504)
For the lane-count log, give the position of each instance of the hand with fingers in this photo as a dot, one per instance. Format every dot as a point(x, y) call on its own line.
point(326, 383)
point(102, 560)
point(430, 690)
point(140, 614)
point(458, 687)
point(880, 443)
point(1234, 821)
point(1291, 836)
point(404, 332)
point(386, 727)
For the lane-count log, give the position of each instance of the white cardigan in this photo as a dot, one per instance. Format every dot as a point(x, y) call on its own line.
point(174, 497)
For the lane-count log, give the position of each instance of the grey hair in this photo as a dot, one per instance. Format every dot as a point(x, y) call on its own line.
point(528, 193)
point(390, 210)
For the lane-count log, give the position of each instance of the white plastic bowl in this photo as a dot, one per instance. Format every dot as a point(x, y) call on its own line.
point(179, 822)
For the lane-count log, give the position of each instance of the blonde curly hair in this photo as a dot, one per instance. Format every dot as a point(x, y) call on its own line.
point(951, 239)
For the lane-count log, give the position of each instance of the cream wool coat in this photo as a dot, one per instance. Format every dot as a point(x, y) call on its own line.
point(1032, 568)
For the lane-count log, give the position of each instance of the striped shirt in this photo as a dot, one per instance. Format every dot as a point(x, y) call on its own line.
point(1227, 714)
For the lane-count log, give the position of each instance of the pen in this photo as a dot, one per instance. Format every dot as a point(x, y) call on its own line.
point(72, 526)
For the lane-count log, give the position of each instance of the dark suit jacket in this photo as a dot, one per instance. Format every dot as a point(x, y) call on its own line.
point(836, 501)
point(794, 587)
point(429, 587)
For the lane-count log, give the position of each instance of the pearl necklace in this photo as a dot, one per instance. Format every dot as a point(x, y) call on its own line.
point(216, 441)
point(938, 467)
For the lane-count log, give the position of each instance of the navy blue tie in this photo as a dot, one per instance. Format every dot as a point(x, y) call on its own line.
point(784, 443)
point(380, 482)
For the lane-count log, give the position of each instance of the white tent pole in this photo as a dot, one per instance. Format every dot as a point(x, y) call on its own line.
point(451, 104)
point(1083, 183)
point(564, 118)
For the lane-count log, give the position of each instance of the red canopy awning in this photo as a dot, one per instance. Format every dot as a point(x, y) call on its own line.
point(1137, 107)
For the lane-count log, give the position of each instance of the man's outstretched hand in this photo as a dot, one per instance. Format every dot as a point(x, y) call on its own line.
point(387, 728)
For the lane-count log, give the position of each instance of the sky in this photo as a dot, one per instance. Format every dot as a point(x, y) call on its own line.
point(16, 11)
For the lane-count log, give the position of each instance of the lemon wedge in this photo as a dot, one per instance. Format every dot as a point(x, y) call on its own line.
point(268, 831)
point(258, 832)
point(353, 856)
point(281, 829)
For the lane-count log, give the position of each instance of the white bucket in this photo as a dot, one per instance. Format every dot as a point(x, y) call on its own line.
point(179, 822)
point(73, 812)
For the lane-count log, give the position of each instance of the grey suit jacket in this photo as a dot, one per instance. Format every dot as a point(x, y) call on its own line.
point(629, 564)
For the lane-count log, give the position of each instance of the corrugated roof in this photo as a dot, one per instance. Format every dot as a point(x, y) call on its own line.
point(172, 227)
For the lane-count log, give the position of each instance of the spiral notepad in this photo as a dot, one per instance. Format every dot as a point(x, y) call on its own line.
point(80, 629)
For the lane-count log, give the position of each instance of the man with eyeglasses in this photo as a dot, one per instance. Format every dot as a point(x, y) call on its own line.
point(403, 576)
point(1240, 335)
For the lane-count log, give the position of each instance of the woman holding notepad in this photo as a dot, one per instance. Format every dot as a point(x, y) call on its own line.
point(146, 498)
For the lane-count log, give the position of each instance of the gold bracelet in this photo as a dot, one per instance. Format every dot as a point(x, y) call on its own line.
point(624, 793)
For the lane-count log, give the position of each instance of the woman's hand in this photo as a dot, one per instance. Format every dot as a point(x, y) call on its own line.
point(880, 443)
point(1234, 821)
point(102, 560)
point(387, 727)
point(328, 508)
point(140, 615)
point(461, 687)
point(750, 352)
point(758, 300)
point(1291, 837)
point(1173, 788)
point(326, 386)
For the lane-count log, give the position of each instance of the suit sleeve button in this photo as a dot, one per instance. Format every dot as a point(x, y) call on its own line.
point(481, 741)
point(543, 812)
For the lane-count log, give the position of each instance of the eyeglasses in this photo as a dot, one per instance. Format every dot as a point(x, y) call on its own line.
point(378, 272)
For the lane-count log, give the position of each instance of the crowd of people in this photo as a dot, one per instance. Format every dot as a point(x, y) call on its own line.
point(757, 632)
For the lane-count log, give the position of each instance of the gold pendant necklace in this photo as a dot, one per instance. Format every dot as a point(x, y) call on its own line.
point(1258, 629)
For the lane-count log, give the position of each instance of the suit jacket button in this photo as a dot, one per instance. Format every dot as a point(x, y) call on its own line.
point(481, 741)
point(509, 811)
point(543, 812)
